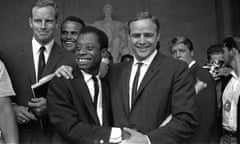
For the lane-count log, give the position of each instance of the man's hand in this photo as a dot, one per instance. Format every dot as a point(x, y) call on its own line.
point(38, 105)
point(103, 69)
point(225, 71)
point(65, 71)
point(135, 138)
point(199, 85)
point(22, 114)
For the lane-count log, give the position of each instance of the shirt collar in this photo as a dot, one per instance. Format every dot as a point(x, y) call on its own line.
point(191, 64)
point(146, 61)
point(36, 45)
point(87, 76)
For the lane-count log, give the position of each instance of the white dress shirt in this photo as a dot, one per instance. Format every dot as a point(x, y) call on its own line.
point(36, 52)
point(230, 101)
point(90, 83)
point(116, 133)
point(143, 70)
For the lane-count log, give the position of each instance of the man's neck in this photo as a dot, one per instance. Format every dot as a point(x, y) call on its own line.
point(43, 42)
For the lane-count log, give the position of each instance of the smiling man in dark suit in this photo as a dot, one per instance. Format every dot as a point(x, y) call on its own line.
point(79, 108)
point(181, 48)
point(145, 91)
point(27, 63)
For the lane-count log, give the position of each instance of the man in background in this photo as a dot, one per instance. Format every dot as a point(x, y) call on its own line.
point(231, 91)
point(70, 29)
point(181, 48)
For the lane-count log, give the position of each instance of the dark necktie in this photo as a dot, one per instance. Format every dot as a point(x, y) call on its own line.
point(41, 62)
point(96, 91)
point(135, 82)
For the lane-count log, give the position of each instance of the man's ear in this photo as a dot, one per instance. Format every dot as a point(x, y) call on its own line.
point(30, 22)
point(192, 53)
point(158, 36)
point(103, 52)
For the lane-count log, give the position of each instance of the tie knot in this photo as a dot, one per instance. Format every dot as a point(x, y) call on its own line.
point(42, 49)
point(94, 77)
point(139, 64)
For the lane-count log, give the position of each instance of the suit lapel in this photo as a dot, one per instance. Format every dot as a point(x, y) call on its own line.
point(53, 59)
point(193, 69)
point(81, 88)
point(27, 55)
point(105, 103)
point(151, 72)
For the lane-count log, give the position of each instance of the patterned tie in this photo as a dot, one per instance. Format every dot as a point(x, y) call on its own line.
point(41, 62)
point(135, 82)
point(96, 91)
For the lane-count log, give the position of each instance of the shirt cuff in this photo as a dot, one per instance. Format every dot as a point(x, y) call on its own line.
point(116, 135)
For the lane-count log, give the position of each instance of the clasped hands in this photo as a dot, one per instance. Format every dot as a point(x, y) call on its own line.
point(131, 136)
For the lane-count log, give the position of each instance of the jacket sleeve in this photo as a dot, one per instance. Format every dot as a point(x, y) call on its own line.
point(183, 109)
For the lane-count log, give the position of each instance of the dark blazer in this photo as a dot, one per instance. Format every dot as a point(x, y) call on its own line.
point(20, 65)
point(72, 112)
point(206, 105)
point(167, 88)
point(225, 81)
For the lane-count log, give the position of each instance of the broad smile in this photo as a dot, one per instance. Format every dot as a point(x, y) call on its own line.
point(69, 43)
point(83, 60)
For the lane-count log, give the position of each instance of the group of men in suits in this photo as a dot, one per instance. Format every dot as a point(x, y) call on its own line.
point(122, 115)
point(150, 99)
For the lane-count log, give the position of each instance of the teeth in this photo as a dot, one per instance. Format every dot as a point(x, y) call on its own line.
point(82, 60)
point(68, 42)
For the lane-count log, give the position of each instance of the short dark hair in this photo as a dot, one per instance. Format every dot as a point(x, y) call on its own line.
point(232, 42)
point(102, 37)
point(45, 3)
point(181, 40)
point(144, 15)
point(74, 19)
point(216, 48)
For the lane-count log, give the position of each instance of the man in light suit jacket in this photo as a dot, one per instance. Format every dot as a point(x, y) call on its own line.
point(181, 48)
point(80, 114)
point(22, 64)
point(164, 87)
point(230, 122)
